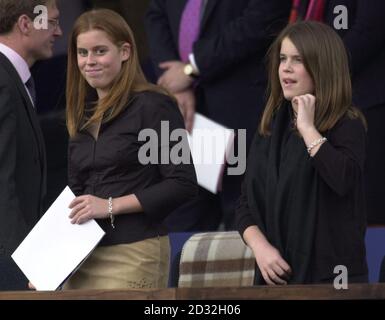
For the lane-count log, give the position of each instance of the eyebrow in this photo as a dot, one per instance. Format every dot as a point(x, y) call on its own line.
point(294, 55)
point(54, 17)
point(94, 48)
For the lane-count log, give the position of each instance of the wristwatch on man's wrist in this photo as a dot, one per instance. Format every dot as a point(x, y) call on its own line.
point(188, 70)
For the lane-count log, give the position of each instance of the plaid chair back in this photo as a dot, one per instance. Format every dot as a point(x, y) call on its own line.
point(216, 259)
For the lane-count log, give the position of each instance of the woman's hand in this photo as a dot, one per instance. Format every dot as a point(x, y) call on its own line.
point(186, 103)
point(274, 269)
point(305, 107)
point(31, 286)
point(88, 207)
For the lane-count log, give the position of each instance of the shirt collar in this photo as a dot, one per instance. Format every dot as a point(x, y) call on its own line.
point(17, 61)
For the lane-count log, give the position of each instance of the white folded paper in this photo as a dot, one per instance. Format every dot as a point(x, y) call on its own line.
point(54, 248)
point(209, 143)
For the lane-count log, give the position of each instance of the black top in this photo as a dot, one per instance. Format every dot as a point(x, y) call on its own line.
point(310, 209)
point(109, 167)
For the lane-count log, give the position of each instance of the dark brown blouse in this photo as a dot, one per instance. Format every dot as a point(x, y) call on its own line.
point(109, 167)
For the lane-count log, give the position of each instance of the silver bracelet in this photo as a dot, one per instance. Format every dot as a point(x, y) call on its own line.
point(110, 212)
point(315, 143)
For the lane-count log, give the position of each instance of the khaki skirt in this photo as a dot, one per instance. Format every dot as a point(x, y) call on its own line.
point(142, 264)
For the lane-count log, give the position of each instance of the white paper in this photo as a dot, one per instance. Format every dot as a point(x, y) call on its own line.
point(209, 144)
point(55, 247)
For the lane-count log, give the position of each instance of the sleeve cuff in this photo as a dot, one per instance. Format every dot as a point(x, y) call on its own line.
point(322, 153)
point(191, 58)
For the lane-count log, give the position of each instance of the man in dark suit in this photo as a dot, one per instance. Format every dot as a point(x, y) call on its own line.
point(23, 40)
point(221, 76)
point(364, 39)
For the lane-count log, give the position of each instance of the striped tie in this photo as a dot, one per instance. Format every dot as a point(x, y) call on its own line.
point(307, 10)
point(30, 84)
point(315, 10)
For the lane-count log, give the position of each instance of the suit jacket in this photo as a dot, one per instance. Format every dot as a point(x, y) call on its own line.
point(22, 161)
point(365, 43)
point(234, 37)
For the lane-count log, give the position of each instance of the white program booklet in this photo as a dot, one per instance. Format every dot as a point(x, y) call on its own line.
point(54, 248)
point(209, 143)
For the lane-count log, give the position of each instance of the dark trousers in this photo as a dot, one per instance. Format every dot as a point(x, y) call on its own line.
point(351, 279)
point(375, 165)
point(11, 277)
point(382, 271)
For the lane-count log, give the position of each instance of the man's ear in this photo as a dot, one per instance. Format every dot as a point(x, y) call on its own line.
point(125, 51)
point(24, 24)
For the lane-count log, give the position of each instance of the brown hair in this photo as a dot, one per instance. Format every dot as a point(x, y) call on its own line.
point(325, 59)
point(11, 10)
point(130, 78)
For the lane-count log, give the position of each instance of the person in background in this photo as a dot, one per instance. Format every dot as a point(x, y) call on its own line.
point(209, 54)
point(361, 27)
point(22, 151)
point(302, 208)
point(109, 103)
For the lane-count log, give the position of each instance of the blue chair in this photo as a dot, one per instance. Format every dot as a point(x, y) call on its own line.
point(382, 271)
point(177, 241)
point(375, 251)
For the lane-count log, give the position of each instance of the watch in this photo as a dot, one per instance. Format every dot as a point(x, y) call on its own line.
point(188, 70)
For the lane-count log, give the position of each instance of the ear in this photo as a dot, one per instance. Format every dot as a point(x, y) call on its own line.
point(125, 51)
point(24, 24)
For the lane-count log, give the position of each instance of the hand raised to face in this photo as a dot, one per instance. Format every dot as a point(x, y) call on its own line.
point(304, 106)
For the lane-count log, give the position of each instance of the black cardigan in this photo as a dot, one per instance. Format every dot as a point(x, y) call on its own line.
point(340, 220)
point(109, 167)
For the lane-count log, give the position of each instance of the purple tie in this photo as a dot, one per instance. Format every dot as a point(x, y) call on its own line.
point(189, 28)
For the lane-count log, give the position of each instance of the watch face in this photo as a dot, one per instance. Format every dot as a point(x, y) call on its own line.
point(188, 70)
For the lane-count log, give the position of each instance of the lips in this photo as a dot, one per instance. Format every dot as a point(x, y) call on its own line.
point(287, 83)
point(93, 72)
